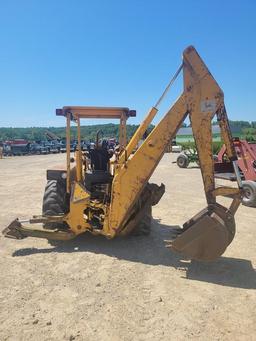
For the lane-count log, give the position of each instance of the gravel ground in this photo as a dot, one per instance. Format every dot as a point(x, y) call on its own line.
point(123, 289)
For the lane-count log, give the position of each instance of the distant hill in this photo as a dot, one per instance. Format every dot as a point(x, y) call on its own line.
point(245, 128)
point(87, 132)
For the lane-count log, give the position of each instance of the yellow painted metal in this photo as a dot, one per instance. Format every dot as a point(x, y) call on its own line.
point(226, 191)
point(138, 135)
point(78, 153)
point(134, 174)
point(96, 112)
point(78, 202)
point(78, 166)
point(79, 193)
point(18, 230)
point(202, 98)
point(68, 151)
point(226, 134)
point(124, 119)
point(122, 131)
point(235, 203)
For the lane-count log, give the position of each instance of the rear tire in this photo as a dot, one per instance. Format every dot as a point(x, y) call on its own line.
point(182, 161)
point(249, 198)
point(55, 203)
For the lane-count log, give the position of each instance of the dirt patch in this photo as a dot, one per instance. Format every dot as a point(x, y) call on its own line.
point(124, 289)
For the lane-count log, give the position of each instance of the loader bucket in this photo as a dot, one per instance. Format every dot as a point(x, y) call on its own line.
point(206, 236)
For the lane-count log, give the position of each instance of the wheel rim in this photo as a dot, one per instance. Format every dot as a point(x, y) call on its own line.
point(181, 161)
point(247, 192)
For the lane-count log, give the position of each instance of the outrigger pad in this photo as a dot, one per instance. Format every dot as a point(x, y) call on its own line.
point(13, 230)
point(206, 236)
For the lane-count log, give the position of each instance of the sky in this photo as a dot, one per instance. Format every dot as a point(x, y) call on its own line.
point(119, 53)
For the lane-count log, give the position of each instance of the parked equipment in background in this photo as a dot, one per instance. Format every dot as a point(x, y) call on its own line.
point(63, 148)
point(19, 147)
point(246, 154)
point(187, 156)
point(114, 197)
point(36, 148)
point(51, 136)
point(174, 147)
point(7, 149)
point(54, 142)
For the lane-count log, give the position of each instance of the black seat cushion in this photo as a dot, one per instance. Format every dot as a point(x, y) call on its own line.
point(96, 177)
point(99, 159)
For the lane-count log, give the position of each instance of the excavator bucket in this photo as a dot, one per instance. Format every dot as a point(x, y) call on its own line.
point(206, 236)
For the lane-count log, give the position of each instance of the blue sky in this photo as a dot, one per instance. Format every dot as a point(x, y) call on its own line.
point(119, 53)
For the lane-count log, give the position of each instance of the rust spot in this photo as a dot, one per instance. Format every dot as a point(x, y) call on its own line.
point(151, 158)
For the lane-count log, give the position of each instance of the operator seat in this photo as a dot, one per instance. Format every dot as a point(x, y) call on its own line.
point(99, 173)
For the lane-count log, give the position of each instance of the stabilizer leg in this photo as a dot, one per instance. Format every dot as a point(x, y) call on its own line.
point(17, 230)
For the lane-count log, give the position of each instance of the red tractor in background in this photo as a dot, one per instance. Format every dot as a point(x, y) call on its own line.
point(246, 153)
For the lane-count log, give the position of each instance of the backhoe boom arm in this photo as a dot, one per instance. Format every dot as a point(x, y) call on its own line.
point(201, 99)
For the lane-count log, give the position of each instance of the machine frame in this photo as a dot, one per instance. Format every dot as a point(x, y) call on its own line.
point(75, 114)
point(206, 235)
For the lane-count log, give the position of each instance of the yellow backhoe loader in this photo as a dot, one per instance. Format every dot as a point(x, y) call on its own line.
point(112, 196)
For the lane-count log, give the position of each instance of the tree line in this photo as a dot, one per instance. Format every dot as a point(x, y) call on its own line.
point(87, 132)
point(109, 130)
